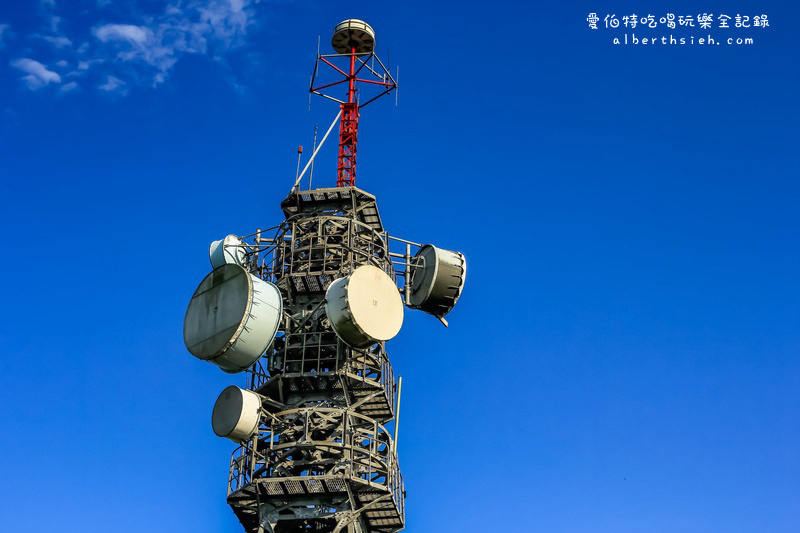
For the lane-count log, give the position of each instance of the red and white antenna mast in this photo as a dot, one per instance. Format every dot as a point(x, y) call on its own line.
point(354, 42)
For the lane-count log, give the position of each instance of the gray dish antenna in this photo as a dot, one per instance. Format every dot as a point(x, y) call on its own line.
point(236, 414)
point(232, 318)
point(438, 280)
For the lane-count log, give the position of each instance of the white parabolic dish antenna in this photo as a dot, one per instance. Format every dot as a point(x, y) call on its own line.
point(236, 414)
point(232, 318)
point(364, 307)
point(229, 250)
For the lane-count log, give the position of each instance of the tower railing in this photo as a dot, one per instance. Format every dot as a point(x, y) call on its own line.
point(308, 443)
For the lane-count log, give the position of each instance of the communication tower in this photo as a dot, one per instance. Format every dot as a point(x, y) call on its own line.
point(304, 309)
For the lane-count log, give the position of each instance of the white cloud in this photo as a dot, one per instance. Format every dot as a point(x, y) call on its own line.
point(199, 27)
point(5, 31)
point(85, 65)
point(118, 53)
point(47, 9)
point(59, 41)
point(55, 22)
point(226, 20)
point(37, 74)
point(70, 87)
point(135, 35)
point(114, 84)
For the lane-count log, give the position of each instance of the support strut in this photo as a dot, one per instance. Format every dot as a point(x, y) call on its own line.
point(348, 131)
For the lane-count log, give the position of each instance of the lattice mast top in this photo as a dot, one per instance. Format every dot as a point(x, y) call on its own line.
point(354, 42)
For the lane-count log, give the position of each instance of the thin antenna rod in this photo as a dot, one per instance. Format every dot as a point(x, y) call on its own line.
point(314, 74)
point(299, 155)
point(297, 182)
point(407, 276)
point(397, 414)
point(311, 172)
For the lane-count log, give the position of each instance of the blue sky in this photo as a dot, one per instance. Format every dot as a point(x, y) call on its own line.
point(625, 354)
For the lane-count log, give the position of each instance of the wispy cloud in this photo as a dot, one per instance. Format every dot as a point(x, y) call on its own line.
point(59, 41)
point(48, 8)
point(36, 75)
point(209, 27)
point(70, 87)
point(114, 85)
point(134, 35)
point(5, 31)
point(137, 50)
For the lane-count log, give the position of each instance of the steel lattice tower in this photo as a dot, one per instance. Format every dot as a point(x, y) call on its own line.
point(322, 450)
point(318, 455)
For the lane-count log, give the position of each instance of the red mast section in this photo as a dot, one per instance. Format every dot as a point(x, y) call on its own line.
point(354, 42)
